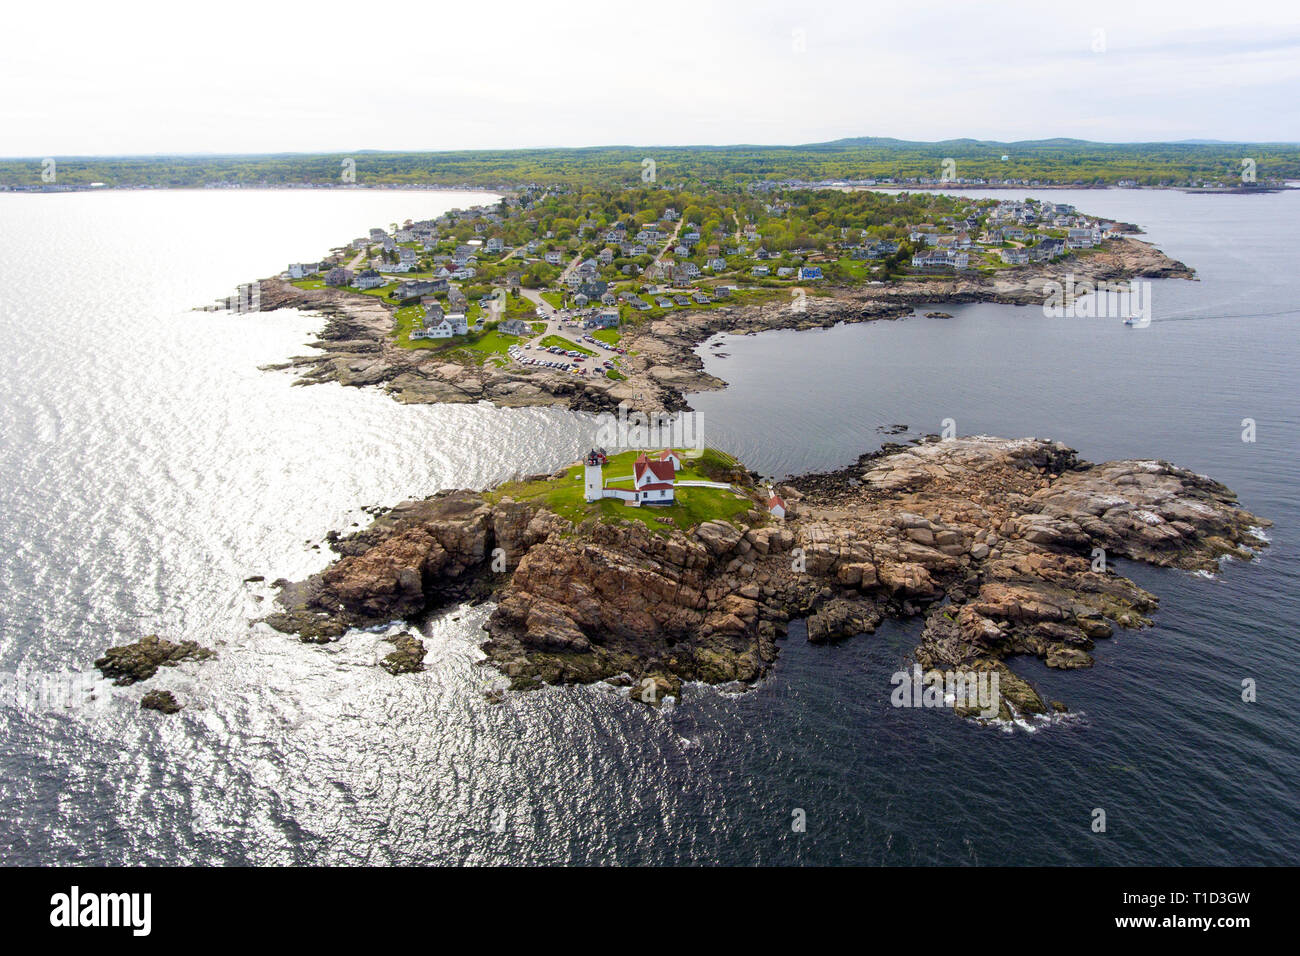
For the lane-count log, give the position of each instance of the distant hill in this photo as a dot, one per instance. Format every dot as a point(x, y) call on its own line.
point(1058, 161)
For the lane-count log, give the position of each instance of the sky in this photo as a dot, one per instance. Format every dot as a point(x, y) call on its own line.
point(239, 77)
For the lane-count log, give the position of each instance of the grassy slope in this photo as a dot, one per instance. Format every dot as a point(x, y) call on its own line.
point(564, 495)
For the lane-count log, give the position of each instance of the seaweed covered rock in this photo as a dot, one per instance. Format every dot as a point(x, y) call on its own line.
point(163, 701)
point(130, 663)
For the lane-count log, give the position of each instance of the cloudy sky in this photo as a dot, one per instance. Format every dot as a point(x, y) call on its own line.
point(237, 77)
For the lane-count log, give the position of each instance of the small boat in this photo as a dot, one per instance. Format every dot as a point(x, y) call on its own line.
point(1131, 321)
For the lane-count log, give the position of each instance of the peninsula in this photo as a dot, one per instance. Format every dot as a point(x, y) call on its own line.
point(1000, 545)
point(591, 299)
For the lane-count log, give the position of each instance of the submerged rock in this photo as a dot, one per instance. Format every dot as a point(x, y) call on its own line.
point(160, 700)
point(407, 658)
point(129, 663)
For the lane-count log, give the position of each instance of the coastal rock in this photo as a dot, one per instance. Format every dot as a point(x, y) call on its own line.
point(163, 701)
point(408, 656)
point(838, 619)
point(129, 663)
point(719, 536)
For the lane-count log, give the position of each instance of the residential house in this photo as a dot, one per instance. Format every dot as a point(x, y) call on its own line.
point(941, 259)
point(413, 290)
point(368, 279)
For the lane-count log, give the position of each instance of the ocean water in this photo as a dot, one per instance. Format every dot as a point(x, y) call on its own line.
point(147, 468)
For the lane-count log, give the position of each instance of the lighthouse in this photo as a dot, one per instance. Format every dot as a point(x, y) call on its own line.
point(594, 488)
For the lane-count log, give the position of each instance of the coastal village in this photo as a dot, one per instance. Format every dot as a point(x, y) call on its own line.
point(552, 279)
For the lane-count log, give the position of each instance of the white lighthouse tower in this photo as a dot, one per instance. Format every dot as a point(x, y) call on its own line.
point(594, 488)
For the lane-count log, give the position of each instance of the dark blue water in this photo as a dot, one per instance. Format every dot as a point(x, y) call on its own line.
point(147, 468)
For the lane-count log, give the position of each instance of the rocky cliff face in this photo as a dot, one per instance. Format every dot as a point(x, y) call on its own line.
point(1001, 544)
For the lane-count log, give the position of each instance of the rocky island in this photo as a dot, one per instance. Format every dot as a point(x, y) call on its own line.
point(1001, 545)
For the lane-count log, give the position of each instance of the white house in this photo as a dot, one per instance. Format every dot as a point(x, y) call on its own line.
point(776, 506)
point(441, 329)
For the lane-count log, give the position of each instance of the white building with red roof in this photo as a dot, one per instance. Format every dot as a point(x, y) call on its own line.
point(669, 454)
point(776, 506)
point(653, 482)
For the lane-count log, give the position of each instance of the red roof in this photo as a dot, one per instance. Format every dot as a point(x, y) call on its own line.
point(657, 486)
point(776, 501)
point(663, 470)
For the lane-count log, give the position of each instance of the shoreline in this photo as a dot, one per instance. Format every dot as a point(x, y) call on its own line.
point(662, 367)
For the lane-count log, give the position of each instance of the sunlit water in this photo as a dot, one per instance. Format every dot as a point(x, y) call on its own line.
point(149, 468)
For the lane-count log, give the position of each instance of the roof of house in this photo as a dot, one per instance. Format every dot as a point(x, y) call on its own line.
point(776, 501)
point(663, 470)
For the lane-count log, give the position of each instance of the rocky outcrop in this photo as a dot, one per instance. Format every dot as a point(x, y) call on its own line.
point(139, 661)
point(1001, 544)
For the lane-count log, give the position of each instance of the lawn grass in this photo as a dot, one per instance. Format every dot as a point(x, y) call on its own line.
point(608, 336)
point(488, 344)
point(565, 495)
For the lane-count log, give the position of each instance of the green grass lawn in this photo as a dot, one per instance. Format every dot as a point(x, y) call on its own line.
point(565, 344)
point(379, 293)
point(488, 344)
point(564, 495)
point(317, 283)
point(615, 375)
point(404, 320)
point(608, 336)
point(554, 299)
